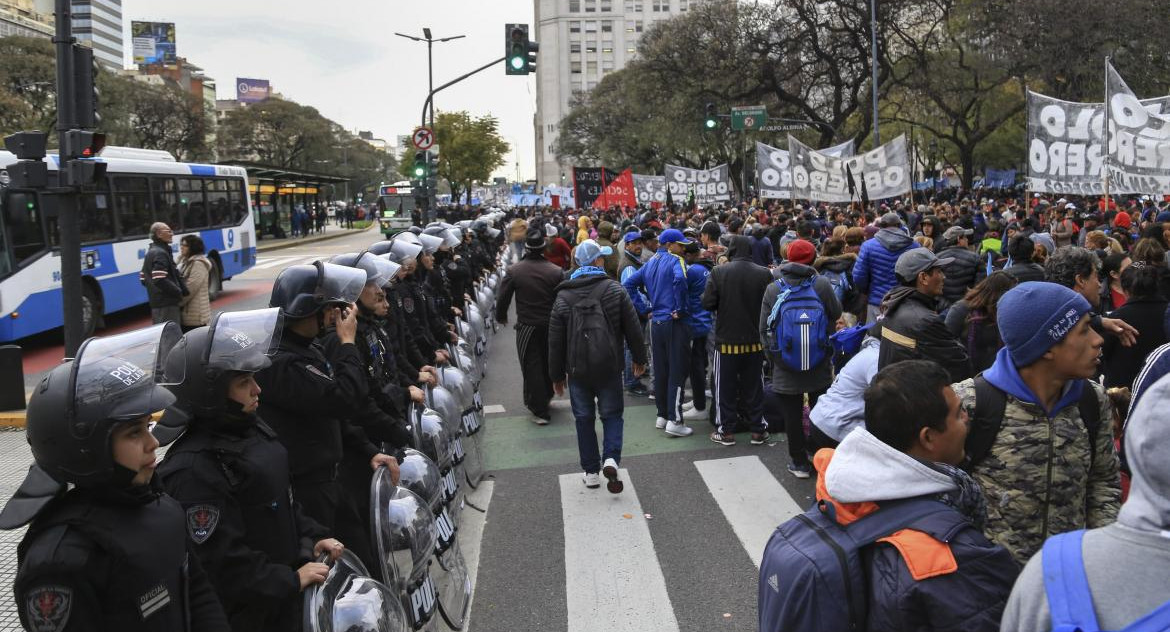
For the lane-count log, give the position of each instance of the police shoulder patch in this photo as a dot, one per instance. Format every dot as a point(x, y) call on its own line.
point(47, 608)
point(318, 372)
point(201, 522)
point(408, 305)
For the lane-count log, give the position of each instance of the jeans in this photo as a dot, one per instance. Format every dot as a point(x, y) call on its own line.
point(606, 401)
point(670, 341)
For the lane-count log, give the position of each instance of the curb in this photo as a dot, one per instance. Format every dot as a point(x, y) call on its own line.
point(293, 242)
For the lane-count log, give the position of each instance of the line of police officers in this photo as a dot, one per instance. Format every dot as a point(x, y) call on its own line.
point(251, 494)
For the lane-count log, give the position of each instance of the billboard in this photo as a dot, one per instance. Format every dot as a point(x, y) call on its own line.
point(153, 42)
point(251, 90)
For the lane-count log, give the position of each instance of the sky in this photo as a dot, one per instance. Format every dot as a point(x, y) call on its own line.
point(343, 58)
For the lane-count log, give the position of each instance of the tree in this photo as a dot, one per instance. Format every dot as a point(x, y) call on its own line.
point(470, 149)
point(278, 133)
point(28, 93)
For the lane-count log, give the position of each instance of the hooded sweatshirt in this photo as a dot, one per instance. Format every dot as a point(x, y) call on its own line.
point(874, 272)
point(1127, 563)
point(842, 407)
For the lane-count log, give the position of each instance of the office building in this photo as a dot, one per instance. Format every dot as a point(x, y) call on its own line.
point(99, 22)
point(25, 18)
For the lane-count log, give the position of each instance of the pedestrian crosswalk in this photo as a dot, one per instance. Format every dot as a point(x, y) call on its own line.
point(751, 499)
point(263, 263)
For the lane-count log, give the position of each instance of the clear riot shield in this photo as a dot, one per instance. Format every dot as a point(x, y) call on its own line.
point(405, 538)
point(473, 468)
point(350, 601)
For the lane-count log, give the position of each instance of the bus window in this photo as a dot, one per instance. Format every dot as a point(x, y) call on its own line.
point(166, 202)
point(97, 216)
point(238, 200)
point(22, 221)
point(217, 202)
point(132, 201)
point(191, 204)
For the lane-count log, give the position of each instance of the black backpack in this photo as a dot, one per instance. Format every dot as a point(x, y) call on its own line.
point(592, 339)
point(990, 406)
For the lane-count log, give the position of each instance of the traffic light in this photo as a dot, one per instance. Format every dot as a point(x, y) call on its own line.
point(77, 165)
point(85, 92)
point(712, 121)
point(421, 165)
point(516, 50)
point(30, 170)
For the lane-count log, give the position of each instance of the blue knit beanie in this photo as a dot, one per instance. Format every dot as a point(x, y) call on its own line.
point(1035, 316)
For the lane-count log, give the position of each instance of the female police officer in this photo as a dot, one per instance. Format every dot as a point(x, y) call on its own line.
point(231, 475)
point(110, 553)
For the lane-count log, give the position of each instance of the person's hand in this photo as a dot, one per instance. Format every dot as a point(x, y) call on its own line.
point(559, 388)
point(416, 394)
point(639, 369)
point(674, 315)
point(390, 462)
point(312, 573)
point(1125, 332)
point(441, 356)
point(453, 336)
point(458, 312)
point(330, 546)
point(426, 378)
point(346, 324)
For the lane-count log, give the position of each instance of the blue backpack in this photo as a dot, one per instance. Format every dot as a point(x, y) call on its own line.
point(840, 282)
point(813, 572)
point(1069, 599)
point(798, 326)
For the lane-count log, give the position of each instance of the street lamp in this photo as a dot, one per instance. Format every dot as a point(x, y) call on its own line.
point(430, 68)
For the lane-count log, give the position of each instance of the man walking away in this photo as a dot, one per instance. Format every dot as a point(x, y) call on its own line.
point(534, 282)
point(665, 282)
point(734, 293)
point(798, 314)
point(592, 319)
point(165, 288)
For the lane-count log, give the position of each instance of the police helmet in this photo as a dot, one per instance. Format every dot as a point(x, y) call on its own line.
point(430, 243)
point(379, 247)
point(402, 250)
point(449, 240)
point(378, 271)
point(305, 290)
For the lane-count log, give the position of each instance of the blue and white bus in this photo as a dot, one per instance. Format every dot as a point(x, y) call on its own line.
point(140, 188)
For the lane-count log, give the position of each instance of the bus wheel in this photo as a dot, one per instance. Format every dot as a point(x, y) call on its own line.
point(91, 309)
point(214, 280)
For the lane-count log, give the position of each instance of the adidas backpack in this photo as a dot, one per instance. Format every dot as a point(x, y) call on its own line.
point(798, 326)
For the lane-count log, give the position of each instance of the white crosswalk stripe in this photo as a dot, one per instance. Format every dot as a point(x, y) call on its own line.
point(272, 262)
point(751, 499)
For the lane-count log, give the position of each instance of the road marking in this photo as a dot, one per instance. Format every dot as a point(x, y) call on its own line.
point(613, 580)
point(471, 523)
point(493, 409)
point(751, 499)
point(271, 263)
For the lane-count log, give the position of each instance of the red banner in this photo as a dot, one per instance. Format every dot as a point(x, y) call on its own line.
point(619, 192)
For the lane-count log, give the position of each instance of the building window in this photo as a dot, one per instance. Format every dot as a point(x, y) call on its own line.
point(607, 65)
point(638, 26)
point(574, 27)
point(606, 6)
point(660, 6)
point(574, 6)
point(590, 6)
point(629, 27)
point(575, 67)
point(607, 26)
point(631, 50)
point(591, 48)
point(608, 50)
point(591, 85)
point(633, 6)
point(682, 4)
point(591, 26)
point(574, 47)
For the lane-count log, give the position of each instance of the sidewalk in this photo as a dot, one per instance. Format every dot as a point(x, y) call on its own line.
point(331, 232)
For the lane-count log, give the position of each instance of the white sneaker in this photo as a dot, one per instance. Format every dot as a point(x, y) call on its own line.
point(613, 483)
point(592, 480)
point(678, 430)
point(694, 414)
point(660, 422)
point(688, 406)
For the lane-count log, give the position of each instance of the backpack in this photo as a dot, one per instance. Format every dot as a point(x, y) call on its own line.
point(841, 285)
point(813, 574)
point(592, 339)
point(799, 327)
point(990, 405)
point(847, 342)
point(1070, 601)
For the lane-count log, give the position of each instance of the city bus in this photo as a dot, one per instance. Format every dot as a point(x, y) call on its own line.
point(140, 187)
point(395, 204)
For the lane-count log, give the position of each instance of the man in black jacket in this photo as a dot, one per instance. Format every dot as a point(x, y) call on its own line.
point(534, 281)
point(595, 390)
point(912, 328)
point(962, 272)
point(734, 293)
point(164, 285)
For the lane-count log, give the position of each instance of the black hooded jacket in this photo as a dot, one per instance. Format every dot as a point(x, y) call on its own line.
point(913, 330)
point(734, 293)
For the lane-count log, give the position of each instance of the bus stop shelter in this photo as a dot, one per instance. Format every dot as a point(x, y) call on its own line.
point(276, 191)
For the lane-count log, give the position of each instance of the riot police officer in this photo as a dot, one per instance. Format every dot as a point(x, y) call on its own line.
point(232, 477)
point(110, 553)
point(310, 396)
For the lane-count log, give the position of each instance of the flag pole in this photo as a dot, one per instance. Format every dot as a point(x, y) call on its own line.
point(1108, 119)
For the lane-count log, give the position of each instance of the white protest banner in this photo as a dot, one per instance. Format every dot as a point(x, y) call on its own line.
point(772, 168)
point(1139, 140)
point(709, 185)
point(819, 177)
point(1066, 142)
point(650, 189)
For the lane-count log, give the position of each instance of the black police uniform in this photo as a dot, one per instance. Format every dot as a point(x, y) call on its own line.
point(415, 307)
point(232, 477)
point(113, 559)
point(409, 357)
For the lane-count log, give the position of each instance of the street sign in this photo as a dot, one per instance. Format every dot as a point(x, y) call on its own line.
point(422, 138)
point(748, 117)
point(788, 127)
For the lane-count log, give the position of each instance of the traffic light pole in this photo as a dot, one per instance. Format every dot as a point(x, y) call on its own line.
point(66, 197)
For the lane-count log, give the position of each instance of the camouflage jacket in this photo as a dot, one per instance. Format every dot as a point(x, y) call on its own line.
point(1040, 479)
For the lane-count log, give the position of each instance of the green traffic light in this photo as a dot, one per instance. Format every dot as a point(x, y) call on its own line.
point(517, 62)
point(712, 123)
point(419, 172)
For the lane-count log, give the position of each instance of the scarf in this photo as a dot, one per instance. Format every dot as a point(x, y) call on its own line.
point(967, 498)
point(586, 271)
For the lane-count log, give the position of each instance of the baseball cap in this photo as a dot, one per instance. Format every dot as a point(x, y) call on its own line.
point(632, 236)
point(673, 236)
point(1070, 206)
point(955, 232)
point(589, 250)
point(917, 260)
point(891, 219)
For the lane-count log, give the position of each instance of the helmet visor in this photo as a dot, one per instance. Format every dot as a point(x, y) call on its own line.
point(384, 271)
point(430, 243)
point(404, 250)
point(394, 266)
point(339, 284)
point(244, 341)
point(119, 375)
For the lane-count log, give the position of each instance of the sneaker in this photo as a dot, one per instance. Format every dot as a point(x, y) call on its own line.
point(612, 482)
point(688, 405)
point(592, 480)
point(540, 421)
point(760, 438)
point(660, 422)
point(694, 414)
point(800, 470)
point(638, 389)
point(678, 429)
point(722, 439)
